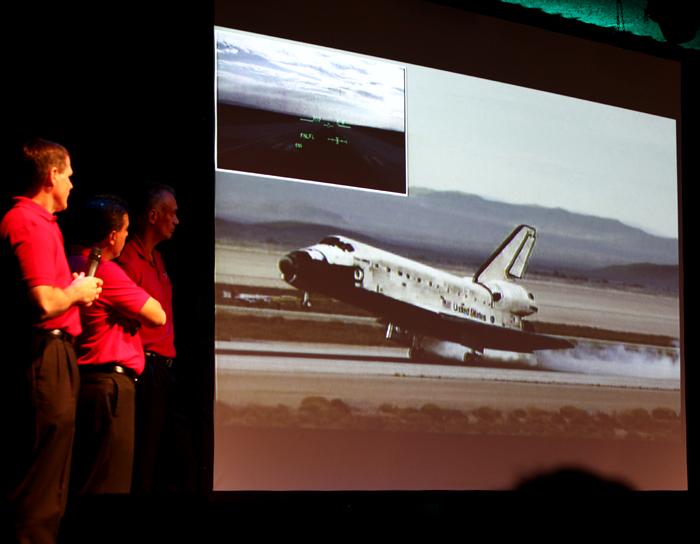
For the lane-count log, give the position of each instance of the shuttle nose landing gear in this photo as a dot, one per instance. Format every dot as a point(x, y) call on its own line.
point(306, 300)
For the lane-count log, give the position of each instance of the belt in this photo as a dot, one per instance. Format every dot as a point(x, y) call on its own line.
point(160, 359)
point(109, 368)
point(56, 333)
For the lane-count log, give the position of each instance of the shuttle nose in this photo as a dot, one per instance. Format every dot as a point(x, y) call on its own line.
point(291, 264)
point(287, 267)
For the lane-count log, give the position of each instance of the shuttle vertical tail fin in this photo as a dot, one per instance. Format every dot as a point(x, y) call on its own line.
point(509, 261)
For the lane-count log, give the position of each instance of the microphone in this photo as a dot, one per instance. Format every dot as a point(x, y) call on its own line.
point(93, 260)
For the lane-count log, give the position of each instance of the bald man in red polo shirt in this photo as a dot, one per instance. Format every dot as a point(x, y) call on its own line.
point(155, 402)
point(110, 355)
point(39, 363)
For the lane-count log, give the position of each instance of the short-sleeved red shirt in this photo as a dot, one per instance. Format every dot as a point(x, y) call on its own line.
point(152, 276)
point(37, 243)
point(106, 336)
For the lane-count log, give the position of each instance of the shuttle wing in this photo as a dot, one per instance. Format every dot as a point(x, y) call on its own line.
point(468, 332)
point(502, 338)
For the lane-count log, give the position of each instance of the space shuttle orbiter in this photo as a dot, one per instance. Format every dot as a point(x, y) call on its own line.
point(423, 304)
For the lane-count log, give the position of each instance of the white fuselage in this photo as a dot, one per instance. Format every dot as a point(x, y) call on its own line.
point(426, 287)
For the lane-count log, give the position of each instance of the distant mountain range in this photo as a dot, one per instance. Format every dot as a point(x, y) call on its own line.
point(439, 226)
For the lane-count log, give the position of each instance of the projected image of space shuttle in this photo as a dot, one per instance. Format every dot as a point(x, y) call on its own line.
point(430, 309)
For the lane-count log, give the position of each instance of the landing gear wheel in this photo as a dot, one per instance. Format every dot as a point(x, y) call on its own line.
point(472, 357)
point(306, 300)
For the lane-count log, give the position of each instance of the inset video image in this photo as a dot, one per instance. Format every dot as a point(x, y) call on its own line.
point(301, 112)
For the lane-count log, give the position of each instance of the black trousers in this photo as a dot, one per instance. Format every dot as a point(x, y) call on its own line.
point(155, 428)
point(104, 440)
point(38, 414)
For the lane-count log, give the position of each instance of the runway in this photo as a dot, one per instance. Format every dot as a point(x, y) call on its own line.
point(571, 303)
point(365, 377)
point(364, 418)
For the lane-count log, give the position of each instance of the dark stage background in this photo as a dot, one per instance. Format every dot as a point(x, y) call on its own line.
point(128, 88)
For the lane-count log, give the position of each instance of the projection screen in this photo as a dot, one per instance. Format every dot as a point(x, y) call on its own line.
point(431, 279)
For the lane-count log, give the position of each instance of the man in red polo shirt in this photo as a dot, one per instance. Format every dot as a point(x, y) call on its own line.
point(110, 355)
point(155, 402)
point(39, 363)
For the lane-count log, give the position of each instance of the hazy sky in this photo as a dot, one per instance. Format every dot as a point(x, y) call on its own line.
point(288, 77)
point(499, 141)
point(519, 145)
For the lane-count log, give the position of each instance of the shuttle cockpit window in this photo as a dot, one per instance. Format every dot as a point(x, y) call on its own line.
point(337, 242)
